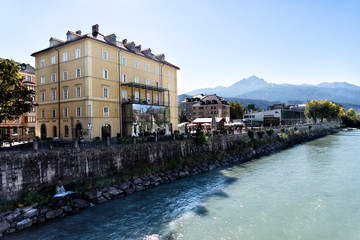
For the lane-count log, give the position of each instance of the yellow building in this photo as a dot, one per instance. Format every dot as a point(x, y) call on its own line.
point(95, 86)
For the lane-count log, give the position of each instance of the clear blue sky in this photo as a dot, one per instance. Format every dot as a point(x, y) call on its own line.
point(213, 42)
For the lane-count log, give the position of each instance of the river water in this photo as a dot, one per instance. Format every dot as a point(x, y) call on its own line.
point(311, 191)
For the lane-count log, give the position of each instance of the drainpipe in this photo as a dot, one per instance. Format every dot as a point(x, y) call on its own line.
point(120, 113)
point(59, 110)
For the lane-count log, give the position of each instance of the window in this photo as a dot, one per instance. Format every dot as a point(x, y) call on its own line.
point(157, 99)
point(66, 131)
point(78, 92)
point(168, 73)
point(124, 61)
point(43, 114)
point(28, 78)
point(124, 78)
point(147, 82)
point(53, 95)
point(65, 75)
point(169, 100)
point(106, 111)
point(53, 113)
point(42, 63)
point(157, 84)
point(78, 111)
point(136, 79)
point(68, 37)
point(77, 53)
point(136, 65)
point(64, 56)
point(42, 80)
point(124, 94)
point(53, 77)
point(157, 70)
point(43, 96)
point(52, 59)
point(148, 97)
point(105, 74)
point(78, 72)
point(137, 96)
point(66, 112)
point(65, 93)
point(105, 55)
point(51, 43)
point(105, 92)
point(147, 67)
point(169, 87)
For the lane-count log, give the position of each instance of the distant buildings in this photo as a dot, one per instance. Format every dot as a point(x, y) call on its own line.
point(277, 114)
point(27, 121)
point(92, 85)
point(205, 106)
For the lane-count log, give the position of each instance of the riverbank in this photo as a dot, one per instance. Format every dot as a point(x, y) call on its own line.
point(241, 151)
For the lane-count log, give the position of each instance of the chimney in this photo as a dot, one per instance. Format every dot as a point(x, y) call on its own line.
point(78, 32)
point(95, 30)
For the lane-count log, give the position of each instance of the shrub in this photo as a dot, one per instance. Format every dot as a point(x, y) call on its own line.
point(260, 134)
point(251, 134)
point(269, 132)
point(200, 138)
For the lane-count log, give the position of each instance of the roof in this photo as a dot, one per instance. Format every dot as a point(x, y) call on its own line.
point(26, 68)
point(125, 46)
point(193, 99)
point(207, 120)
point(211, 99)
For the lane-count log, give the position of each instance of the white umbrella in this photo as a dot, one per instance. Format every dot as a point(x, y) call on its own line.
point(213, 123)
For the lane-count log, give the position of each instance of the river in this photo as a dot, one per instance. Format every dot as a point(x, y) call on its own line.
point(310, 191)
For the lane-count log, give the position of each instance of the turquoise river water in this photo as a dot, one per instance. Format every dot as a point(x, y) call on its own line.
point(311, 191)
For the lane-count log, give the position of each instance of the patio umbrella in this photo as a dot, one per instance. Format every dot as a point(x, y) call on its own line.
point(213, 123)
point(152, 124)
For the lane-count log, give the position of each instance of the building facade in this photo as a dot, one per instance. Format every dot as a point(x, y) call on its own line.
point(24, 125)
point(211, 105)
point(95, 86)
point(185, 105)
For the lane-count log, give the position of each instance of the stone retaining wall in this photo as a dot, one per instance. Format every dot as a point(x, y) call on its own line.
point(36, 170)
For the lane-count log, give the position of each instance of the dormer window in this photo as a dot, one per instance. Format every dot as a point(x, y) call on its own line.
point(51, 43)
point(113, 40)
point(68, 37)
point(132, 47)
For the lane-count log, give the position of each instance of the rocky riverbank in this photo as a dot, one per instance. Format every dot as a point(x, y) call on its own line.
point(23, 217)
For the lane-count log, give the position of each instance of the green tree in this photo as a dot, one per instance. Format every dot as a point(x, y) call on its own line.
point(312, 110)
point(15, 98)
point(236, 110)
point(182, 117)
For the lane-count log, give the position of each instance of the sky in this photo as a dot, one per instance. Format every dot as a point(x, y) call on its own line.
point(215, 43)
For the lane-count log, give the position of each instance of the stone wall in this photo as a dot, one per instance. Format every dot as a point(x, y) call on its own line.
point(36, 170)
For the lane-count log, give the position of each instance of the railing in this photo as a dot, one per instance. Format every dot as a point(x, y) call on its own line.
point(66, 144)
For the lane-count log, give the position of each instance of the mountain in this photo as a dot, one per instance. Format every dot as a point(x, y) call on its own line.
point(257, 88)
point(344, 85)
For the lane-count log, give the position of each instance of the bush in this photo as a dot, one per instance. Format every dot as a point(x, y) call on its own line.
point(270, 132)
point(260, 134)
point(282, 130)
point(200, 138)
point(251, 134)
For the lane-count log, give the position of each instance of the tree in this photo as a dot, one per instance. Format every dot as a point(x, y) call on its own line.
point(236, 110)
point(182, 117)
point(15, 98)
point(312, 110)
point(324, 109)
